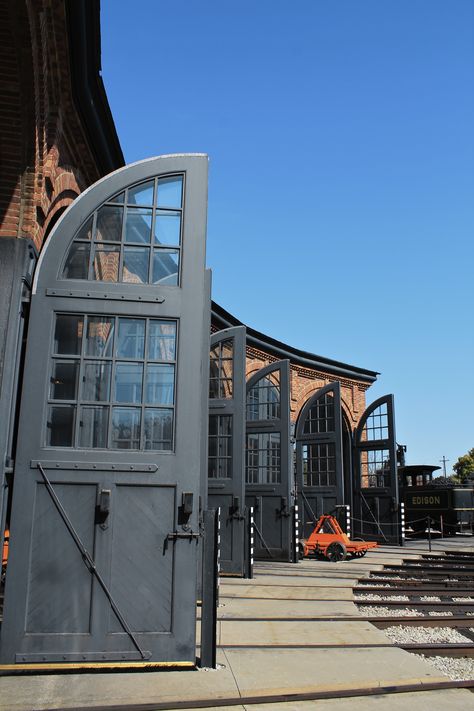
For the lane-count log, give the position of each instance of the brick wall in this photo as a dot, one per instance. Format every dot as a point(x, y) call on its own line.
point(45, 158)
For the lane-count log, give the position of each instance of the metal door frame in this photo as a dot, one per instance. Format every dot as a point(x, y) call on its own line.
point(171, 473)
point(258, 492)
point(307, 517)
point(232, 517)
point(367, 500)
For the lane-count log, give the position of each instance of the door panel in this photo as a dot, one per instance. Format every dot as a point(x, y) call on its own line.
point(111, 408)
point(226, 443)
point(268, 471)
point(60, 589)
point(143, 556)
point(376, 483)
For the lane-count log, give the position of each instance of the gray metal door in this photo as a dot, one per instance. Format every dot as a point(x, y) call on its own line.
point(375, 507)
point(226, 485)
point(267, 479)
point(110, 432)
point(319, 466)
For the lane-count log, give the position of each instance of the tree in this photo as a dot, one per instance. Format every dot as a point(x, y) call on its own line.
point(464, 468)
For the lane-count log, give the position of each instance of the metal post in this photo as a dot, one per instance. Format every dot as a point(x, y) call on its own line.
point(402, 524)
point(442, 525)
point(210, 587)
point(250, 544)
point(296, 534)
point(348, 520)
point(429, 532)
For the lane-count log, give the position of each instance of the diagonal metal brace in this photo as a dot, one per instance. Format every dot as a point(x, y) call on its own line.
point(89, 562)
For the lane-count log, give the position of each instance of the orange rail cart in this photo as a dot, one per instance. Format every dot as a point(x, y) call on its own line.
point(328, 539)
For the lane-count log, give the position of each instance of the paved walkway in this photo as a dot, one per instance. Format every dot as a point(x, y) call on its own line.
point(267, 631)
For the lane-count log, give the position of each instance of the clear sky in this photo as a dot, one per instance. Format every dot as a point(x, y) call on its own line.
point(341, 193)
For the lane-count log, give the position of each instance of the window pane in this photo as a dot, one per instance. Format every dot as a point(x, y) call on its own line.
point(100, 336)
point(118, 198)
point(77, 261)
point(128, 382)
point(68, 334)
point(85, 232)
point(61, 426)
point(126, 428)
point(158, 429)
point(165, 266)
point(167, 227)
point(109, 224)
point(64, 381)
point(93, 427)
point(162, 340)
point(170, 192)
point(106, 263)
point(131, 338)
point(135, 265)
point(96, 382)
point(138, 225)
point(160, 385)
point(141, 194)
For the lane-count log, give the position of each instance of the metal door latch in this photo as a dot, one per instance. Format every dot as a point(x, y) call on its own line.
point(175, 535)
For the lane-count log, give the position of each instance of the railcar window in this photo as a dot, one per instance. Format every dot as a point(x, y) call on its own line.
point(134, 237)
point(115, 387)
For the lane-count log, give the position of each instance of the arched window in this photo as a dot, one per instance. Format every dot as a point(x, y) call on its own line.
point(133, 237)
point(263, 399)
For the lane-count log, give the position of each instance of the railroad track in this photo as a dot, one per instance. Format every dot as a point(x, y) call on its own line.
point(437, 589)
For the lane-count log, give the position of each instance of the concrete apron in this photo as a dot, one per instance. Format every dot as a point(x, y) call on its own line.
point(262, 657)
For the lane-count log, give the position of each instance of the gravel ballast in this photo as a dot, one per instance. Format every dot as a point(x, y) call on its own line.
point(401, 634)
point(457, 668)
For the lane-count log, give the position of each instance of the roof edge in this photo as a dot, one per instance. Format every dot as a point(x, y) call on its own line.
point(282, 350)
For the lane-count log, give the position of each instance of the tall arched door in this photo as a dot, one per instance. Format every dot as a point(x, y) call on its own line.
point(104, 525)
point(319, 465)
point(268, 480)
point(375, 508)
point(226, 443)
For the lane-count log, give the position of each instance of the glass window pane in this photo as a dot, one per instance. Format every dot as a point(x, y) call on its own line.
point(135, 265)
point(165, 266)
point(131, 338)
point(106, 263)
point(64, 381)
point(93, 427)
point(128, 382)
point(85, 232)
point(167, 227)
point(126, 428)
point(118, 198)
point(109, 224)
point(77, 261)
point(100, 336)
point(141, 194)
point(160, 385)
point(138, 225)
point(162, 340)
point(158, 429)
point(96, 381)
point(68, 334)
point(61, 426)
point(170, 192)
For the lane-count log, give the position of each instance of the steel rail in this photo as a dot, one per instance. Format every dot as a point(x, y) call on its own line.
point(268, 698)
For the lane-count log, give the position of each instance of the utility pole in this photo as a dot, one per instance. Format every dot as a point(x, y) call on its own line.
point(444, 460)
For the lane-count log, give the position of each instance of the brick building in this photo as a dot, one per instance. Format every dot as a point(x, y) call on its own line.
point(57, 137)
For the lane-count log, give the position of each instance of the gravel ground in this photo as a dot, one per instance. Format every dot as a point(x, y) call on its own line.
point(462, 599)
point(402, 634)
point(433, 613)
point(430, 598)
point(457, 668)
point(379, 611)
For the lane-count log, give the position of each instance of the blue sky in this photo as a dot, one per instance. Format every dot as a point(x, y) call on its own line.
point(341, 193)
